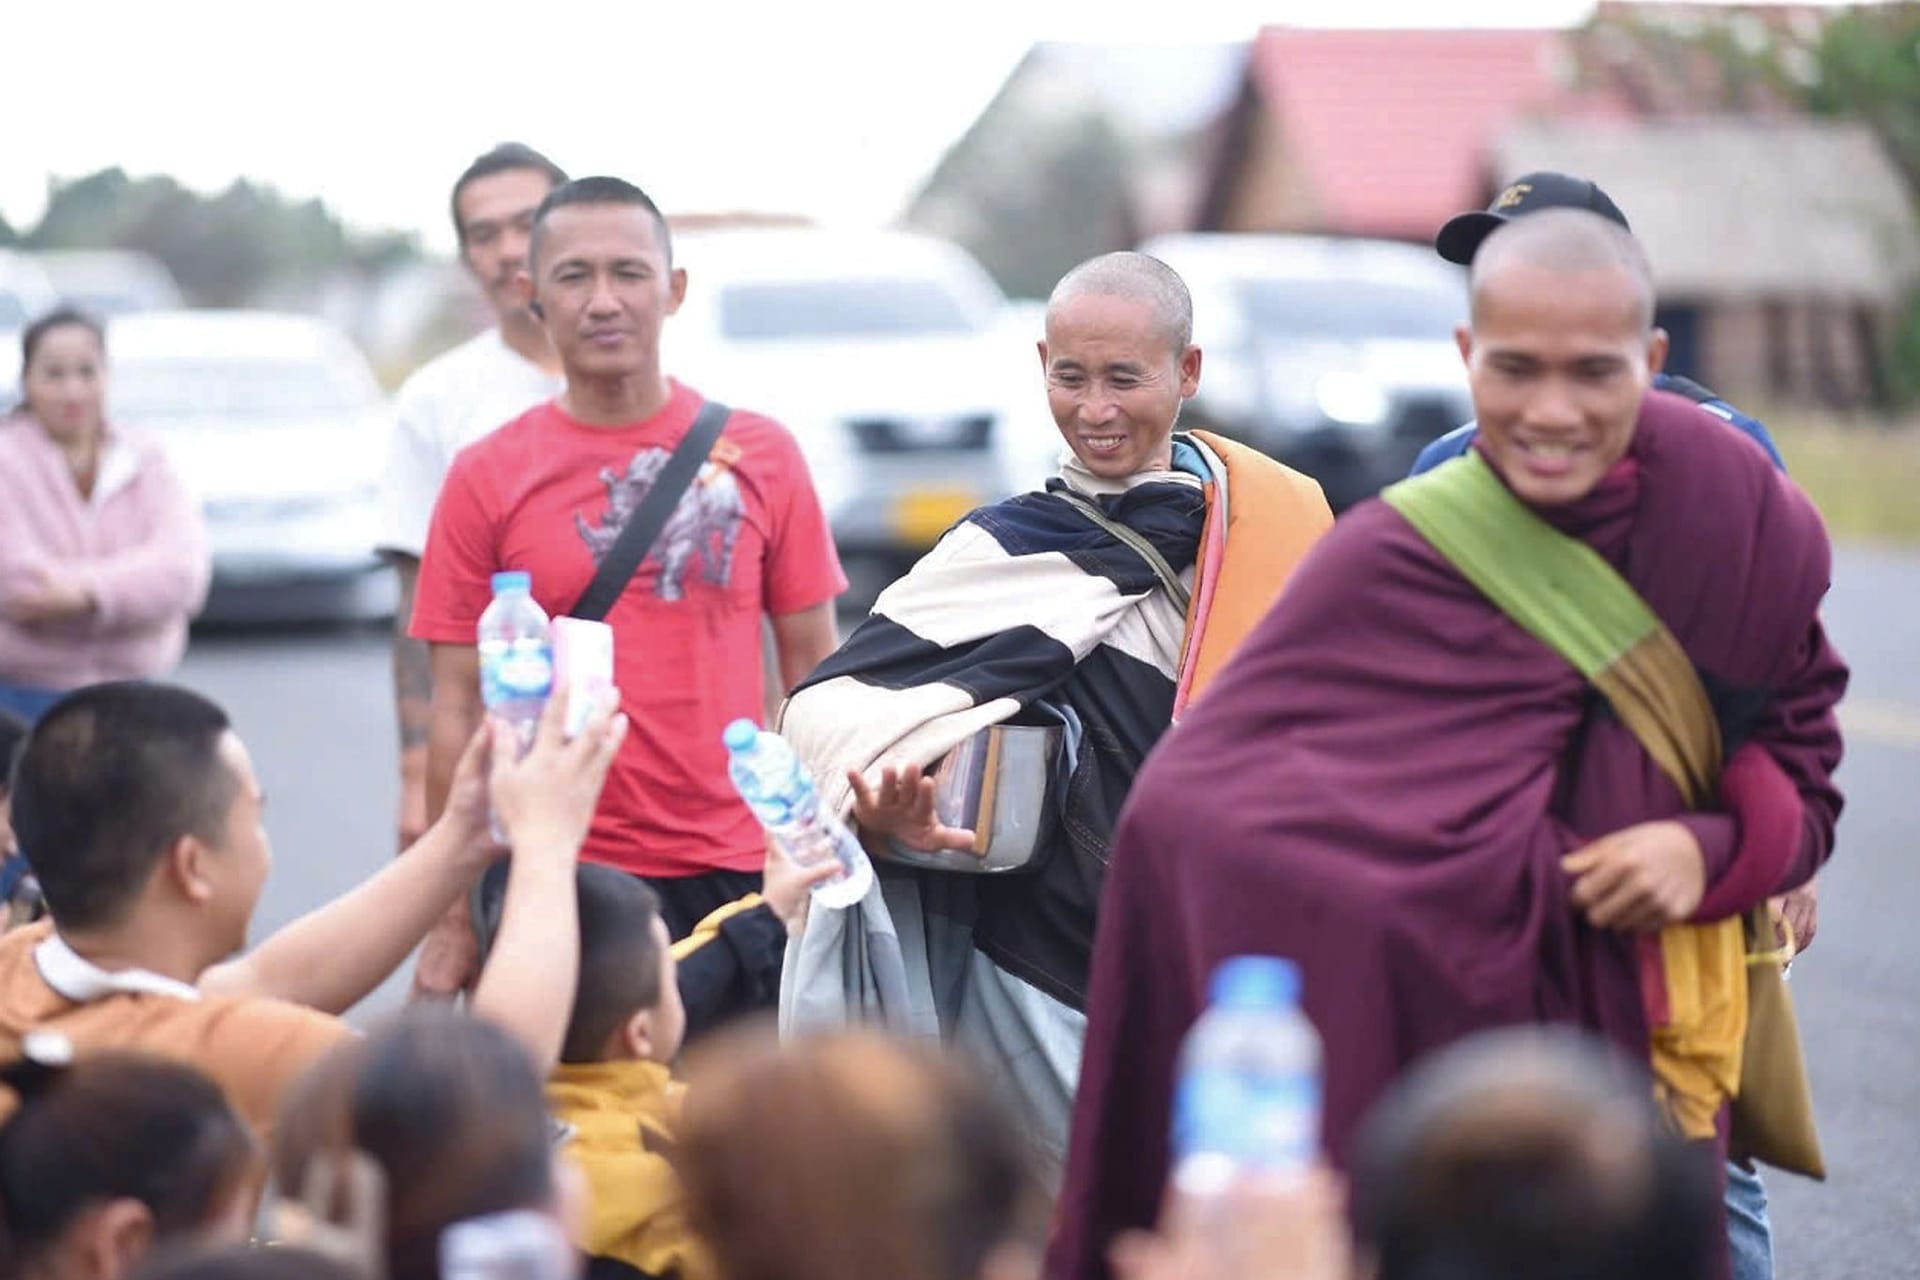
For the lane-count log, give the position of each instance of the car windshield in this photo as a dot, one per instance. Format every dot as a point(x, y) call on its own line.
point(843, 309)
point(1350, 310)
point(246, 390)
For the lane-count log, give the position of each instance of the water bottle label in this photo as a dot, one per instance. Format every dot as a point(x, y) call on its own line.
point(516, 670)
point(1262, 1125)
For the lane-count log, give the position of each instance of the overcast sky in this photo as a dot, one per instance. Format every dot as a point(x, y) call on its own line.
point(835, 109)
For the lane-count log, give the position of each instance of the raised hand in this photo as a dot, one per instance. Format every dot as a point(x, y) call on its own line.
point(901, 807)
point(786, 886)
point(545, 799)
point(1285, 1229)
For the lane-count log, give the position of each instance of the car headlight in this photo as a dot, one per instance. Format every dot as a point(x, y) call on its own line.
point(1352, 399)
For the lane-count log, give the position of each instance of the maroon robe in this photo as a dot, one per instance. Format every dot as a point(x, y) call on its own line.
point(1384, 780)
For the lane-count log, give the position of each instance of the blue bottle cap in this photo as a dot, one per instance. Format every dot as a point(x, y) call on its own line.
point(1256, 982)
point(513, 580)
point(741, 735)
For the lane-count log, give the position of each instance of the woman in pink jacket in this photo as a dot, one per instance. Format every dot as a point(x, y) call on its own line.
point(103, 556)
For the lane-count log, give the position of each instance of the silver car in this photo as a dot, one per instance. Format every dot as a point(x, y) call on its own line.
point(1335, 356)
point(277, 423)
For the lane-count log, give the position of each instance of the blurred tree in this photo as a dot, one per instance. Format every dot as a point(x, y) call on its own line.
point(1860, 62)
point(1031, 206)
point(226, 249)
point(1866, 64)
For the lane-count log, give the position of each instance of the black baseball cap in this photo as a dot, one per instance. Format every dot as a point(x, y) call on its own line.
point(1461, 237)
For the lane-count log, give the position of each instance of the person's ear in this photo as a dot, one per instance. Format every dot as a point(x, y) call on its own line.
point(1041, 346)
point(1658, 346)
point(523, 289)
point(1189, 372)
point(1463, 339)
point(189, 864)
point(111, 1239)
point(676, 289)
point(637, 1036)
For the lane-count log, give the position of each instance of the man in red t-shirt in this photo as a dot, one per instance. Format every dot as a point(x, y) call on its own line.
point(547, 493)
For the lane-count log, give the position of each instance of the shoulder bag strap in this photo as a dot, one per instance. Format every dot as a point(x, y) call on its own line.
point(1570, 599)
point(637, 536)
point(1134, 541)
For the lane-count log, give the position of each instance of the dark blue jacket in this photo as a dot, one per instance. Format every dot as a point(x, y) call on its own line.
point(1458, 440)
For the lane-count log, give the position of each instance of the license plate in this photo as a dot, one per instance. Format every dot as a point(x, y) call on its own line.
point(922, 516)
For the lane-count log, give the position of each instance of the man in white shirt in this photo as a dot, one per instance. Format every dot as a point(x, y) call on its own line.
point(452, 401)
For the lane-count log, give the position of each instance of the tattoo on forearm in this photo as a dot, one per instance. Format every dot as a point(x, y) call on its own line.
point(413, 690)
point(412, 665)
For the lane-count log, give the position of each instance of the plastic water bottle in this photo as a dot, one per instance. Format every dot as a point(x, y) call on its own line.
point(1247, 1104)
point(516, 660)
point(776, 786)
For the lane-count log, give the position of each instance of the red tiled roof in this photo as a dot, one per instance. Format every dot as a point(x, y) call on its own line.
point(1393, 129)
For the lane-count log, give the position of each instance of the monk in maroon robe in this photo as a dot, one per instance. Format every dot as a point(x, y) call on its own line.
point(1423, 805)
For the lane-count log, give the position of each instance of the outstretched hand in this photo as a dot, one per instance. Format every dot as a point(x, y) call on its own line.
point(901, 807)
point(786, 886)
point(546, 798)
point(466, 808)
point(1291, 1229)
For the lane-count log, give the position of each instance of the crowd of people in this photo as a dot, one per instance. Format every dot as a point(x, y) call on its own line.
point(1527, 765)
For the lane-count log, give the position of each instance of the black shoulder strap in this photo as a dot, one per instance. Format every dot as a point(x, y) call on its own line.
point(637, 536)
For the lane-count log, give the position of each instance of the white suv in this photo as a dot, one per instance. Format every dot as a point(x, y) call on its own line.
point(886, 355)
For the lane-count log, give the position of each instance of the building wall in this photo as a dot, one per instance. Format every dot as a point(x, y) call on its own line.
point(1800, 351)
point(1268, 191)
point(1734, 358)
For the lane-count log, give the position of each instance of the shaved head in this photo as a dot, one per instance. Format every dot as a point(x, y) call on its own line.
point(1560, 351)
point(1137, 278)
point(1565, 242)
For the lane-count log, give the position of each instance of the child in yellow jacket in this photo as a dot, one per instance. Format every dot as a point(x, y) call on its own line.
point(613, 1093)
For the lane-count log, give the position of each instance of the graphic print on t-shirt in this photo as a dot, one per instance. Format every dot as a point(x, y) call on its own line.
point(706, 522)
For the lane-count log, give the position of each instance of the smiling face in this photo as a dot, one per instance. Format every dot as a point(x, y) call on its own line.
point(1558, 363)
point(1115, 382)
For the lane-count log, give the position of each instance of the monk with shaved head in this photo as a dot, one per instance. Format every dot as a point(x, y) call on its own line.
point(1091, 612)
point(1524, 742)
point(1561, 350)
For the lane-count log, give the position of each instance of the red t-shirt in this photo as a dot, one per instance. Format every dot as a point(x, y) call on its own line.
point(547, 494)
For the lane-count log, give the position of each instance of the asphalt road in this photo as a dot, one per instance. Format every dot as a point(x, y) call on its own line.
point(315, 709)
